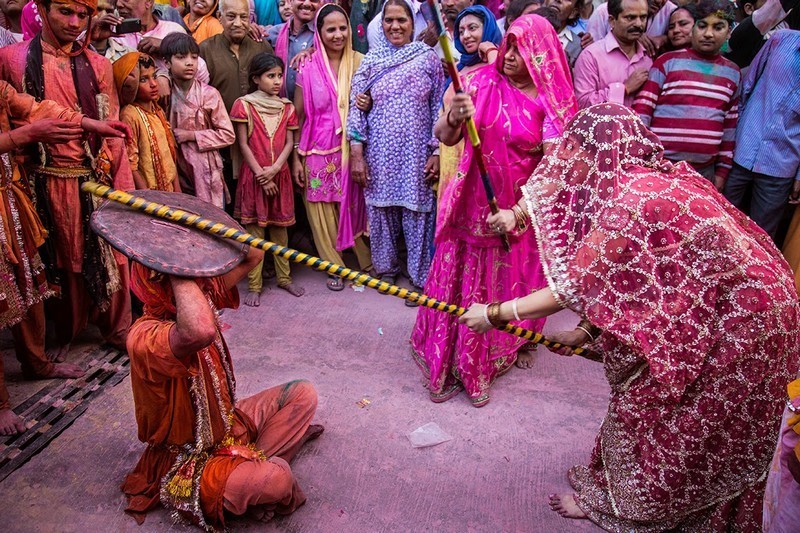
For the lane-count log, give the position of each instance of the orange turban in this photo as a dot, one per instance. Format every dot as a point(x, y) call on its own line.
point(91, 4)
point(122, 68)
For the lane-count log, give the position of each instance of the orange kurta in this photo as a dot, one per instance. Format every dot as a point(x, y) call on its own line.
point(64, 194)
point(23, 282)
point(188, 403)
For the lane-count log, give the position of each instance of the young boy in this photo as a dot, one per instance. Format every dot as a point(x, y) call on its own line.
point(199, 120)
point(151, 147)
point(691, 98)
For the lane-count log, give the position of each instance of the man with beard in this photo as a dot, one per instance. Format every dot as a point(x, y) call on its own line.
point(54, 66)
point(614, 68)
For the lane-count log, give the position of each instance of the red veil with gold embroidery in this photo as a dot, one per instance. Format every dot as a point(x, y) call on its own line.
point(699, 316)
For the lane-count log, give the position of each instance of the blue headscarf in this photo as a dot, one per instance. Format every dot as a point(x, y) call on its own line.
point(491, 32)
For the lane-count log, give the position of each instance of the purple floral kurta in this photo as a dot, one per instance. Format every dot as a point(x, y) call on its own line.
point(398, 130)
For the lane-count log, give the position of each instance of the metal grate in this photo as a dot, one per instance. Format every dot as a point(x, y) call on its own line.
point(55, 407)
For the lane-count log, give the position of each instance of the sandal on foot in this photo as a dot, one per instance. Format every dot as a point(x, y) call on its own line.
point(335, 283)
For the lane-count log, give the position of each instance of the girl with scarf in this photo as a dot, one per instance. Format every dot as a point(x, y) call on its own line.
point(394, 152)
point(477, 37)
point(322, 159)
point(694, 313)
point(265, 129)
point(518, 107)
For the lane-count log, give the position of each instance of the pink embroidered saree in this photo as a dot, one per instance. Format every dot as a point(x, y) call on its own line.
point(470, 264)
point(699, 318)
point(326, 100)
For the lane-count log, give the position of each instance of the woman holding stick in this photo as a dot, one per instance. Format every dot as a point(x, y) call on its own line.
point(693, 310)
point(477, 37)
point(518, 107)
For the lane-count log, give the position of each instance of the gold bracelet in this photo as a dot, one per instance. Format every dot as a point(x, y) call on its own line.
point(494, 316)
point(520, 217)
point(587, 327)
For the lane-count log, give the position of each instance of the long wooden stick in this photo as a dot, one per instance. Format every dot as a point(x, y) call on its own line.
point(220, 230)
point(472, 129)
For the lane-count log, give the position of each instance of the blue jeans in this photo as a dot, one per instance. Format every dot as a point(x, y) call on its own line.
point(767, 200)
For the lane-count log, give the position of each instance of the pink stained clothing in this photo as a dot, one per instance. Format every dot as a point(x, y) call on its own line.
point(323, 143)
point(64, 194)
point(253, 206)
point(698, 314)
point(601, 70)
point(202, 110)
point(450, 354)
point(657, 25)
point(161, 30)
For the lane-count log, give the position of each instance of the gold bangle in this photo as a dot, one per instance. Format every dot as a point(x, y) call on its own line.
point(587, 327)
point(494, 316)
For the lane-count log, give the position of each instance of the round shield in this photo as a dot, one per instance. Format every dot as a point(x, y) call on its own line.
point(166, 246)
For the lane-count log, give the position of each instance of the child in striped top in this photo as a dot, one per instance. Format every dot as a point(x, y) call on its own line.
point(691, 97)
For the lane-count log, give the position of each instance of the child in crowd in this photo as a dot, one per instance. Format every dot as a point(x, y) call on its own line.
point(691, 97)
point(151, 147)
point(265, 130)
point(199, 121)
point(285, 9)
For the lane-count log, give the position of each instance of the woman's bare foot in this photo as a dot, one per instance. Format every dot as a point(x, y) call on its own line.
point(313, 432)
point(253, 299)
point(10, 423)
point(57, 354)
point(524, 359)
point(564, 504)
point(65, 371)
point(293, 289)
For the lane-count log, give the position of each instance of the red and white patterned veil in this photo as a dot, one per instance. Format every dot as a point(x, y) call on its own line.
point(648, 251)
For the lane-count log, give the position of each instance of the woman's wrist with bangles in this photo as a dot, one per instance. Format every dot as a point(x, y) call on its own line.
point(590, 330)
point(520, 217)
point(492, 315)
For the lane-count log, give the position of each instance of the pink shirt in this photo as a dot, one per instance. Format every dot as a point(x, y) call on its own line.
point(161, 30)
point(658, 24)
point(601, 70)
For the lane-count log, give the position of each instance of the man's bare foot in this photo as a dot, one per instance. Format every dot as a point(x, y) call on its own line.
point(564, 504)
point(313, 432)
point(293, 289)
point(64, 370)
point(57, 354)
point(524, 359)
point(11, 424)
point(253, 299)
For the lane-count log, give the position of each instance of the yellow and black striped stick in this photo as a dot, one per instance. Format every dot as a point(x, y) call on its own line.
point(220, 230)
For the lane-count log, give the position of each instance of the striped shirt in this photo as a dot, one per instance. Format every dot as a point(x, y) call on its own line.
point(691, 102)
point(768, 139)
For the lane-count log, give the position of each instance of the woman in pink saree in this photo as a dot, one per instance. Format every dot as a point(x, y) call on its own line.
point(521, 102)
point(694, 312)
point(334, 202)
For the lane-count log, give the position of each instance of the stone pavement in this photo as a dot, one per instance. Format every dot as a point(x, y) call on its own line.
point(362, 475)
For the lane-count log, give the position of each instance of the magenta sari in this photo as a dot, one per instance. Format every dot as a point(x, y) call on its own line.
point(326, 100)
point(698, 313)
point(470, 264)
